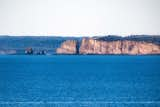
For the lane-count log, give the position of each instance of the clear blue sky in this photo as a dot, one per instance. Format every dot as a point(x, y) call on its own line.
point(79, 17)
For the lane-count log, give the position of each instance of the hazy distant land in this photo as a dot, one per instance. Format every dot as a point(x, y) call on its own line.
point(48, 45)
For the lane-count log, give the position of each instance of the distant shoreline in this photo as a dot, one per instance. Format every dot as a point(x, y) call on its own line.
point(96, 45)
point(83, 55)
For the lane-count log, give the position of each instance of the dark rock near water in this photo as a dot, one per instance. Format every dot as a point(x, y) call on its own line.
point(29, 51)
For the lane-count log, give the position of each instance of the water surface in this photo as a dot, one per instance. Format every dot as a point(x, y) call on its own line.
point(76, 80)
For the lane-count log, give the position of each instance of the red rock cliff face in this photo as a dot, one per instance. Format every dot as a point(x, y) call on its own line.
point(67, 47)
point(91, 46)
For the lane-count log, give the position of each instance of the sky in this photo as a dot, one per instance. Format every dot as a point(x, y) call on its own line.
point(79, 17)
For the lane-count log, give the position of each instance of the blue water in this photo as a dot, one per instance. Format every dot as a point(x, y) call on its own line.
point(78, 81)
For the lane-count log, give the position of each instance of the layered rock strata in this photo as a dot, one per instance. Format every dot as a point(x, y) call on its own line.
point(67, 47)
point(92, 46)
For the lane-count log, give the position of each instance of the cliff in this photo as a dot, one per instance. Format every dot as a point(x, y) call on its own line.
point(91, 46)
point(67, 47)
point(18, 44)
point(94, 46)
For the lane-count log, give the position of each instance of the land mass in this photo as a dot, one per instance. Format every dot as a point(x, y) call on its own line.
point(111, 44)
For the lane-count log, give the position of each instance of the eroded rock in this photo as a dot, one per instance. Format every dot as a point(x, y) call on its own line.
point(91, 46)
point(67, 47)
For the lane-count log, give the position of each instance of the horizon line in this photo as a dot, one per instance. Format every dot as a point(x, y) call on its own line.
point(80, 35)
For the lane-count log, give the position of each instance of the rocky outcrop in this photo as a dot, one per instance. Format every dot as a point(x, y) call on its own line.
point(91, 46)
point(94, 46)
point(132, 47)
point(67, 47)
point(29, 51)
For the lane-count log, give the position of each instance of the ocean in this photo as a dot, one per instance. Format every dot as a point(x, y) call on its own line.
point(79, 81)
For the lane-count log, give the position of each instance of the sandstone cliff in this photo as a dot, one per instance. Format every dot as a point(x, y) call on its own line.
point(91, 46)
point(67, 47)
